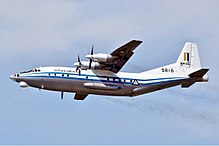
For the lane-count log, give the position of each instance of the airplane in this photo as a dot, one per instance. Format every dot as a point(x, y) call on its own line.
point(101, 75)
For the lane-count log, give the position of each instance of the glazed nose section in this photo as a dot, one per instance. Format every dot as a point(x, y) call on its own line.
point(14, 77)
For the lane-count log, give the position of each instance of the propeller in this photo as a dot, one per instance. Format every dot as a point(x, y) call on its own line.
point(91, 53)
point(79, 67)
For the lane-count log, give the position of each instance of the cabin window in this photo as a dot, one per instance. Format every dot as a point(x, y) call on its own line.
point(67, 75)
point(102, 78)
point(63, 75)
point(86, 77)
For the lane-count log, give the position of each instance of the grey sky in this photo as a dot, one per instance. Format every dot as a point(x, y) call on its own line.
point(53, 32)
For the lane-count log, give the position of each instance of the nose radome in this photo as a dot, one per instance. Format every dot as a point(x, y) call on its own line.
point(14, 76)
point(11, 77)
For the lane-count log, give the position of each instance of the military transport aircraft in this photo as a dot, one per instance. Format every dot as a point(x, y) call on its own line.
point(101, 74)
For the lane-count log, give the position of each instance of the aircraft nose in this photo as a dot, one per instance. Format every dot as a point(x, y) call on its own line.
point(11, 77)
point(14, 76)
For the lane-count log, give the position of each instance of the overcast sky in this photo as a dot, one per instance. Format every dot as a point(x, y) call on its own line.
point(53, 32)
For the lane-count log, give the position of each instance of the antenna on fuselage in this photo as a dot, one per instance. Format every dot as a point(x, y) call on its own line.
point(62, 95)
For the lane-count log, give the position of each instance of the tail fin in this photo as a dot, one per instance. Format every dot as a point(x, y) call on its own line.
point(187, 63)
point(188, 60)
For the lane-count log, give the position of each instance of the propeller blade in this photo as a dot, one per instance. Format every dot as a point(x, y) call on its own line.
point(79, 71)
point(78, 68)
point(79, 60)
point(92, 50)
point(91, 53)
point(90, 63)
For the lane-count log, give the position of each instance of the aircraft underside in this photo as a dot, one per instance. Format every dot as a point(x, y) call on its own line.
point(74, 86)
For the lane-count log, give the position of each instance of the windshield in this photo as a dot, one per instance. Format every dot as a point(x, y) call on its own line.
point(32, 70)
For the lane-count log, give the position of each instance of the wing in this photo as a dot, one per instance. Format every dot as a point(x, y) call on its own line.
point(121, 56)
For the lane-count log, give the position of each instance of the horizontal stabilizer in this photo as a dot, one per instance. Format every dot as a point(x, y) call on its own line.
point(197, 74)
point(187, 85)
point(200, 73)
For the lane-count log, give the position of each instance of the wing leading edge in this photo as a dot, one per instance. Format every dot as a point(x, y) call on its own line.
point(121, 56)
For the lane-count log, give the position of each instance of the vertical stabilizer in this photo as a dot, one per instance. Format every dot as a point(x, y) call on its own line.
point(188, 60)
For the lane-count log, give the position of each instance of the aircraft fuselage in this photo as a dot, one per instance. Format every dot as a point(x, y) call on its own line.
point(95, 82)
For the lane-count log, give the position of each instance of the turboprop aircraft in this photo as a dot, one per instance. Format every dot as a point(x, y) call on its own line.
point(101, 74)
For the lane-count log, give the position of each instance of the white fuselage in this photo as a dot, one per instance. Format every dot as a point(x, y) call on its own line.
point(98, 82)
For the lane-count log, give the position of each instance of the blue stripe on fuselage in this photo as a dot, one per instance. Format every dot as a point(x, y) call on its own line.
point(112, 77)
point(41, 75)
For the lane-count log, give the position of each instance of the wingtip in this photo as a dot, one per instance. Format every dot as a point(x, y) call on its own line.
point(139, 41)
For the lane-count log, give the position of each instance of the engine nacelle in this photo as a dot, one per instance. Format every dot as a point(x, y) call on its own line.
point(85, 64)
point(100, 57)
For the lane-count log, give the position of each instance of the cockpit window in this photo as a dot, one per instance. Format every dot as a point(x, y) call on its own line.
point(26, 71)
point(32, 70)
point(36, 70)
